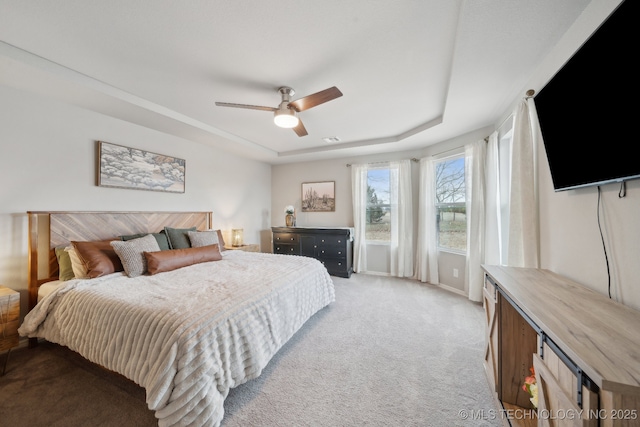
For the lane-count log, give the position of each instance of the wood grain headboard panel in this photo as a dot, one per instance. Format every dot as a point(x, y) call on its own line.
point(65, 227)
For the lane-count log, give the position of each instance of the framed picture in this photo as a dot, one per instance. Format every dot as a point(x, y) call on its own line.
point(319, 196)
point(125, 167)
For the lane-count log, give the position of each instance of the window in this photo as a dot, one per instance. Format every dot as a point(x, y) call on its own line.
point(378, 225)
point(450, 204)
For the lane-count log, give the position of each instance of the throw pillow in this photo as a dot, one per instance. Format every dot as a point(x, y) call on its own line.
point(178, 238)
point(65, 270)
point(131, 253)
point(158, 262)
point(203, 238)
point(163, 243)
point(98, 257)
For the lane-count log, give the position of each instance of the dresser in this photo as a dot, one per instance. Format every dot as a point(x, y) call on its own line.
point(585, 349)
point(333, 247)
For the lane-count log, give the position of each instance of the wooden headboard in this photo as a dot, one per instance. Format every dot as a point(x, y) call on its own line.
point(63, 227)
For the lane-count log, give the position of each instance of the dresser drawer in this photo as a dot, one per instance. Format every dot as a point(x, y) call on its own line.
point(334, 265)
point(286, 238)
point(282, 248)
point(330, 241)
point(331, 252)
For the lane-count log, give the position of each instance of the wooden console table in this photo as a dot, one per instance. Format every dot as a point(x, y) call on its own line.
point(584, 346)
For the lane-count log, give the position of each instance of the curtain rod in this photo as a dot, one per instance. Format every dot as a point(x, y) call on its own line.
point(413, 159)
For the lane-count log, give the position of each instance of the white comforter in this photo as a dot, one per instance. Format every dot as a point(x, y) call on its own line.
point(189, 335)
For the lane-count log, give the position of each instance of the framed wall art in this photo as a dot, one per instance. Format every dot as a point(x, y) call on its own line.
point(132, 168)
point(319, 196)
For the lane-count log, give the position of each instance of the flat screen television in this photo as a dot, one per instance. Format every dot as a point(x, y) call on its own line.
point(588, 110)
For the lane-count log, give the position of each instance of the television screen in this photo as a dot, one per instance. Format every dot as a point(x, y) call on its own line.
point(588, 109)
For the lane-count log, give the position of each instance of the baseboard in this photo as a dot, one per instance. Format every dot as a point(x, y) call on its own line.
point(452, 289)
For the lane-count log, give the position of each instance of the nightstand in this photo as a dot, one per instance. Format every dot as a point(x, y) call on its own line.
point(9, 321)
point(246, 248)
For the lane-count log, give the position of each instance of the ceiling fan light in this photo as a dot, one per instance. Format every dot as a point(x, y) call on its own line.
point(285, 118)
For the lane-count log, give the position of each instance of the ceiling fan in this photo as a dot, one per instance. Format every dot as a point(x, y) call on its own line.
point(286, 114)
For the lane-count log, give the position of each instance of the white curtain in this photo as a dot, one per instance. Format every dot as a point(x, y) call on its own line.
point(474, 161)
point(401, 251)
point(492, 217)
point(524, 244)
point(359, 196)
point(427, 247)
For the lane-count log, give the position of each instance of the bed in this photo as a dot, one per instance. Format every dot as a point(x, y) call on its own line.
point(187, 335)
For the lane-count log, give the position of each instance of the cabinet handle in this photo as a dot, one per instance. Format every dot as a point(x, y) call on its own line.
point(322, 240)
point(291, 249)
point(322, 251)
point(277, 238)
point(292, 238)
point(339, 253)
point(339, 263)
point(339, 241)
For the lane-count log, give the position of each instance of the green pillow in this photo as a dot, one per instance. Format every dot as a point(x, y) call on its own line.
point(161, 237)
point(64, 265)
point(178, 237)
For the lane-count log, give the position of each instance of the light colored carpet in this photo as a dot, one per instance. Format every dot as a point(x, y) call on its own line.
point(388, 352)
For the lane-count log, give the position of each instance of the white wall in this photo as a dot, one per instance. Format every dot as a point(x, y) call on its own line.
point(571, 244)
point(48, 162)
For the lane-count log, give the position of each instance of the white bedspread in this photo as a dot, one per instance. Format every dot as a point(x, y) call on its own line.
point(189, 335)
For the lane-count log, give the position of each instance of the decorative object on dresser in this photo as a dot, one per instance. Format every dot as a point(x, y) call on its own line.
point(333, 247)
point(290, 217)
point(584, 348)
point(319, 196)
point(9, 321)
point(132, 168)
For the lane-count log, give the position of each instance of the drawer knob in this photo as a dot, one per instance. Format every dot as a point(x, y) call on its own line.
point(291, 249)
point(322, 251)
point(339, 263)
point(339, 241)
point(339, 253)
point(322, 240)
point(292, 238)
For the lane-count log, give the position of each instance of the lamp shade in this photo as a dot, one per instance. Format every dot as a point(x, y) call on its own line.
point(236, 237)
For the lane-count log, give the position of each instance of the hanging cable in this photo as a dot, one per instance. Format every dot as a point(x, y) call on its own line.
point(604, 246)
point(623, 190)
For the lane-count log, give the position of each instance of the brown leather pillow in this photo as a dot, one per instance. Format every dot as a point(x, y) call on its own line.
point(158, 262)
point(98, 257)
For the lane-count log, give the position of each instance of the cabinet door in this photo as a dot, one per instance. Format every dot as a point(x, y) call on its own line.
point(490, 303)
point(554, 399)
point(308, 246)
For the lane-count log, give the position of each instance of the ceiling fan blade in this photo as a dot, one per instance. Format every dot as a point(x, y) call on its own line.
point(249, 107)
point(300, 129)
point(316, 99)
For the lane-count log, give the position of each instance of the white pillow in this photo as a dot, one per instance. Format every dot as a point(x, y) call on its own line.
point(203, 238)
point(131, 253)
point(78, 267)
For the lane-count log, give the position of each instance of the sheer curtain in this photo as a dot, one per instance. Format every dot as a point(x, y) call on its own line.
point(401, 250)
point(427, 247)
point(523, 250)
point(359, 196)
point(492, 217)
point(475, 155)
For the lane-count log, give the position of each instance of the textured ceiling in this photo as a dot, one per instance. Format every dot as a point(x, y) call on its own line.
point(413, 72)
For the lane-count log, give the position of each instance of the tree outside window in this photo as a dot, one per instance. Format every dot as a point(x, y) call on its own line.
point(378, 227)
point(450, 204)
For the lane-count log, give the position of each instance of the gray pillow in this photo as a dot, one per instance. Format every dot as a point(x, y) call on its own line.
point(203, 238)
point(178, 238)
point(161, 237)
point(131, 253)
